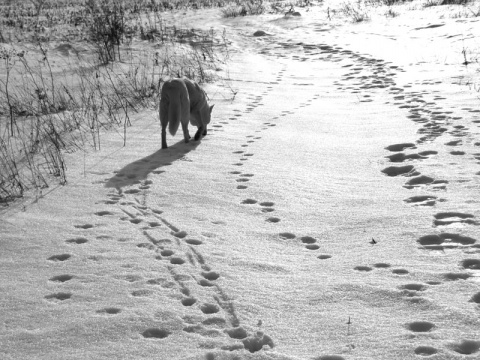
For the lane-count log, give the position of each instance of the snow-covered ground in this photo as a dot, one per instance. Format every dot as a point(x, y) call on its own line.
point(330, 213)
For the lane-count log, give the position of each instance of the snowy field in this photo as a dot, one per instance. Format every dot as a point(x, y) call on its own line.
point(331, 212)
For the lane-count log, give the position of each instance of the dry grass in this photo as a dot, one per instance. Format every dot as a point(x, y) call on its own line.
point(59, 89)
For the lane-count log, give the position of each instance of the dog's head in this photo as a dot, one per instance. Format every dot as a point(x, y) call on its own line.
point(207, 113)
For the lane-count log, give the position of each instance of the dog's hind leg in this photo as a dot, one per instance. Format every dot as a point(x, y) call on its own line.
point(164, 122)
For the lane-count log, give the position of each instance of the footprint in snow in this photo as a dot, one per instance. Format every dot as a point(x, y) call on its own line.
point(109, 311)
point(132, 191)
point(400, 147)
point(78, 240)
point(425, 350)
point(422, 200)
point(448, 218)
point(61, 296)
point(85, 226)
point(103, 213)
point(471, 264)
point(61, 257)
point(400, 271)
point(420, 326)
point(362, 268)
point(267, 206)
point(156, 333)
point(61, 278)
point(466, 347)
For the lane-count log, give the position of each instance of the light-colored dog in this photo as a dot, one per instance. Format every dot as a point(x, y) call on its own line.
point(182, 100)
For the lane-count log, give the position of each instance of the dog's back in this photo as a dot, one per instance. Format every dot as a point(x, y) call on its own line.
point(174, 104)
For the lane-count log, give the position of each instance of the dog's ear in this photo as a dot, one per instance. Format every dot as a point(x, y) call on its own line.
point(211, 108)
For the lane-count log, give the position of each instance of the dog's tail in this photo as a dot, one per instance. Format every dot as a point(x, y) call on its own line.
point(174, 113)
point(178, 111)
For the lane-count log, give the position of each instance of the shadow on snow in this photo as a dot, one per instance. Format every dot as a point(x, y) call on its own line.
point(138, 170)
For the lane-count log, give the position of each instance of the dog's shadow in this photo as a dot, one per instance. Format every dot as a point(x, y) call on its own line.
point(139, 170)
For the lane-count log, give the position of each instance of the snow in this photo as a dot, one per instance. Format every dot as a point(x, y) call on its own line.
point(261, 234)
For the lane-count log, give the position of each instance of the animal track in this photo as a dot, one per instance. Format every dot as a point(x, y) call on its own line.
point(445, 240)
point(363, 268)
point(59, 296)
point(420, 326)
point(79, 240)
point(407, 170)
point(448, 218)
point(194, 242)
point(188, 301)
point(472, 264)
point(400, 147)
point(142, 292)
point(476, 298)
point(400, 271)
point(177, 261)
point(425, 350)
point(308, 240)
point(457, 276)
point(466, 347)
point(179, 234)
point(256, 342)
point(61, 278)
point(422, 200)
point(237, 333)
point(209, 308)
point(132, 191)
point(424, 180)
point(211, 275)
point(381, 265)
point(85, 226)
point(103, 213)
point(61, 257)
point(402, 157)
point(156, 333)
point(267, 204)
point(110, 311)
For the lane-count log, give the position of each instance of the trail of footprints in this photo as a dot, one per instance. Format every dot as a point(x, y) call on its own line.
point(364, 76)
point(433, 126)
point(245, 177)
point(216, 316)
point(434, 122)
point(212, 314)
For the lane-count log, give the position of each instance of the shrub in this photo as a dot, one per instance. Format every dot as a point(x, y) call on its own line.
point(356, 14)
point(107, 28)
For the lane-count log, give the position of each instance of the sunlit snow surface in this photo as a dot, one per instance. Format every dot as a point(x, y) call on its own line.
point(330, 213)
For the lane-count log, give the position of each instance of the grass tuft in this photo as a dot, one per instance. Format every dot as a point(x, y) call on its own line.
point(51, 105)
